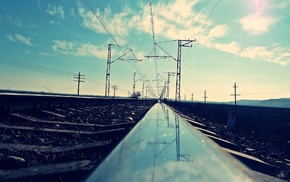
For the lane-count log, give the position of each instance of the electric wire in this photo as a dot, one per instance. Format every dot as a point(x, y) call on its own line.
point(27, 66)
point(195, 23)
point(198, 34)
point(112, 24)
point(136, 67)
point(101, 22)
point(202, 10)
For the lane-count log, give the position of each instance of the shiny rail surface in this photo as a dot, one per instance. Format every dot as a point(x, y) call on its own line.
point(164, 147)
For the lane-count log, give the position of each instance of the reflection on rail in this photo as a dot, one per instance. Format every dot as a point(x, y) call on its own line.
point(163, 147)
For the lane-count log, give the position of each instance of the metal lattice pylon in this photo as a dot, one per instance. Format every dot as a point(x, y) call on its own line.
point(107, 89)
point(187, 43)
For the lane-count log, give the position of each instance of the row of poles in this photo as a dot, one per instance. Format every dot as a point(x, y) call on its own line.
point(181, 43)
point(165, 92)
point(234, 94)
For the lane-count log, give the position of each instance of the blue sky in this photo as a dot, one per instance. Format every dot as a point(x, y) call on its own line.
point(43, 44)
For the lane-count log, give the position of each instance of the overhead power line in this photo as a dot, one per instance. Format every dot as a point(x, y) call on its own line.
point(131, 61)
point(103, 25)
point(112, 23)
point(32, 67)
point(208, 18)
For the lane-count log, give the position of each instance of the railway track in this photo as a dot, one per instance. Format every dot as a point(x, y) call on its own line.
point(54, 138)
point(48, 138)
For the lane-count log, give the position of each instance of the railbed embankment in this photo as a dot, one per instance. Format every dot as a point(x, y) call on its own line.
point(261, 132)
point(60, 138)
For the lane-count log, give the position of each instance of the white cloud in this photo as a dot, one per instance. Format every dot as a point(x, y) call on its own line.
point(43, 53)
point(62, 46)
point(10, 37)
point(174, 20)
point(232, 47)
point(16, 21)
point(278, 5)
point(170, 19)
point(55, 11)
point(179, 20)
point(278, 55)
point(256, 52)
point(257, 23)
point(51, 22)
point(116, 24)
point(218, 31)
point(72, 49)
point(282, 55)
point(22, 39)
point(18, 38)
point(90, 21)
point(208, 38)
point(178, 12)
point(91, 50)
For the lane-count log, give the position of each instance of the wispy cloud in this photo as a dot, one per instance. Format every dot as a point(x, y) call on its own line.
point(51, 22)
point(104, 21)
point(256, 52)
point(169, 21)
point(16, 21)
point(274, 54)
point(74, 49)
point(232, 47)
point(208, 38)
point(62, 46)
point(18, 38)
point(218, 31)
point(43, 53)
point(181, 19)
point(91, 50)
point(278, 55)
point(39, 5)
point(276, 5)
point(257, 23)
point(90, 21)
point(57, 11)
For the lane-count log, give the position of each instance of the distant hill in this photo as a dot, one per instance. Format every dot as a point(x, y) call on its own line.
point(282, 103)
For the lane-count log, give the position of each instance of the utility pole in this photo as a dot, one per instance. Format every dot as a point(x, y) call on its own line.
point(191, 97)
point(134, 83)
point(79, 78)
point(143, 90)
point(205, 97)
point(181, 43)
point(143, 87)
point(168, 83)
point(109, 62)
point(187, 43)
point(115, 87)
point(149, 93)
point(163, 92)
point(235, 94)
point(107, 89)
point(147, 90)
